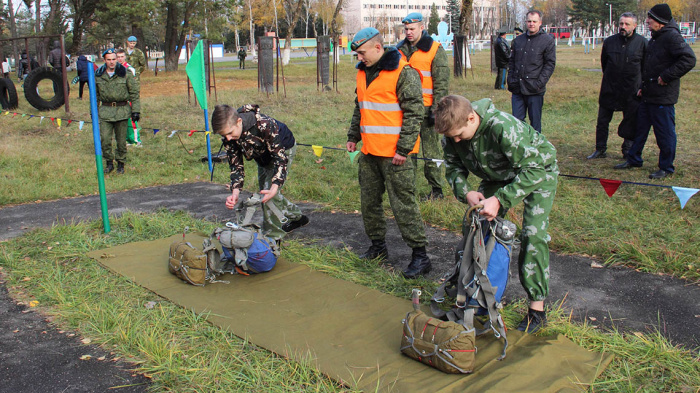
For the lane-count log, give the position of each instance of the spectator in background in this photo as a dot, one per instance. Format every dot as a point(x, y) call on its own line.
point(532, 60)
point(502, 54)
point(241, 58)
point(82, 66)
point(55, 56)
point(135, 56)
point(668, 58)
point(121, 58)
point(621, 58)
point(5, 68)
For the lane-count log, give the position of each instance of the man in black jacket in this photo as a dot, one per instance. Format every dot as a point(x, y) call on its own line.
point(502, 54)
point(621, 59)
point(668, 58)
point(532, 60)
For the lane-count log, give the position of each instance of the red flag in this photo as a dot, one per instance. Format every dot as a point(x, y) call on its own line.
point(191, 132)
point(610, 186)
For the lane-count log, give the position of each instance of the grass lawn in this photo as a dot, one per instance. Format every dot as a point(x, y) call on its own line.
point(641, 227)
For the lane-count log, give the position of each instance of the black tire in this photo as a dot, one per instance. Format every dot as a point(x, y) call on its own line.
point(32, 81)
point(8, 94)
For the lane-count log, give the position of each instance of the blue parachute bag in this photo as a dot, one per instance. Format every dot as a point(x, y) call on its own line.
point(259, 256)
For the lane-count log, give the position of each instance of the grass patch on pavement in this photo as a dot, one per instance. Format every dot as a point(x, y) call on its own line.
point(180, 351)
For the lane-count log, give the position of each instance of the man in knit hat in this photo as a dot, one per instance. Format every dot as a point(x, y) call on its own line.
point(667, 59)
point(387, 119)
point(429, 58)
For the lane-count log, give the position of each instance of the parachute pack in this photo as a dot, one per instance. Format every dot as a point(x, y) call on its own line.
point(244, 250)
point(476, 284)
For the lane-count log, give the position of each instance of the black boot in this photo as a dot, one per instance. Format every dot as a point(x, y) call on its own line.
point(376, 251)
point(120, 168)
point(110, 166)
point(420, 264)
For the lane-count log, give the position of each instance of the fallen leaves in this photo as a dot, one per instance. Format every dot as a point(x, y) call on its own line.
point(596, 265)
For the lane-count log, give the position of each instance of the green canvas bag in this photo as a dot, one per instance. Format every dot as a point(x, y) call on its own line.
point(445, 345)
point(188, 263)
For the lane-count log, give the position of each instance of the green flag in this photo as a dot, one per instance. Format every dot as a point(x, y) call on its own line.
point(195, 71)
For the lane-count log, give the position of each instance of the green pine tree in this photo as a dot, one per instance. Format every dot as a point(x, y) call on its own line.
point(433, 20)
point(453, 10)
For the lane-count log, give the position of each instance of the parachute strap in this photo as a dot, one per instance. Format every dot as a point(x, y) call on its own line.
point(251, 204)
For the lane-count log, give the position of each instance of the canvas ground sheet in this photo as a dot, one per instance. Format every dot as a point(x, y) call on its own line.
point(352, 333)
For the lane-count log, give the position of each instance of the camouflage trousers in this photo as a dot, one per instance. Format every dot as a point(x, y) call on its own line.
point(377, 175)
point(116, 130)
point(533, 260)
point(430, 148)
point(272, 226)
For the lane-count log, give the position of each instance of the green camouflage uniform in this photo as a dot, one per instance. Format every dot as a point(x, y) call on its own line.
point(120, 87)
point(440, 72)
point(516, 163)
point(260, 141)
point(137, 60)
point(378, 174)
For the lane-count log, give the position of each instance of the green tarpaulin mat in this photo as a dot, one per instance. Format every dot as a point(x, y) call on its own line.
point(352, 332)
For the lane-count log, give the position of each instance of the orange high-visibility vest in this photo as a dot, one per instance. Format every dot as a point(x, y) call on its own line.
point(381, 116)
point(423, 61)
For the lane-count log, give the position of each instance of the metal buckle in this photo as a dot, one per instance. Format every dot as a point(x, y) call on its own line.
point(113, 104)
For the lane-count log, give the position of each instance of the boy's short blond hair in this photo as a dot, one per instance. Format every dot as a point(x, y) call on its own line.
point(451, 113)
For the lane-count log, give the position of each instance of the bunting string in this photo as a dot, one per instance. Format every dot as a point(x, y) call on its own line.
point(609, 185)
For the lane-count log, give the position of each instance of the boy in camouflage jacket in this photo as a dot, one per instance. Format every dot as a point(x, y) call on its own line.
point(248, 134)
point(515, 164)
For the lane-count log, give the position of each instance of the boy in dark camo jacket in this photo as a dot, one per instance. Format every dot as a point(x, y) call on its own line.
point(515, 164)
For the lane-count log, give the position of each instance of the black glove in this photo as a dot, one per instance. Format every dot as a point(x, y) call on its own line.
point(431, 118)
point(135, 116)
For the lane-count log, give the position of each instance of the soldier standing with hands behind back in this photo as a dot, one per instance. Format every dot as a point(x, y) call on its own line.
point(115, 87)
point(388, 113)
point(429, 58)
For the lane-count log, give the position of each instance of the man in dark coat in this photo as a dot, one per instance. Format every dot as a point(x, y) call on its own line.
point(668, 58)
point(241, 58)
point(621, 59)
point(502, 54)
point(532, 60)
point(55, 56)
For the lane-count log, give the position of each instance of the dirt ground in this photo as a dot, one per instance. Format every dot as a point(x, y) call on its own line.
point(29, 346)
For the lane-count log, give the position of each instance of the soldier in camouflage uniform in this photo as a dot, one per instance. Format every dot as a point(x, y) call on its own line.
point(430, 59)
point(388, 112)
point(115, 87)
point(135, 56)
point(515, 163)
point(249, 134)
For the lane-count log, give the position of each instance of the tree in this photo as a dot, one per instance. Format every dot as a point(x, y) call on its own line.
point(593, 13)
point(293, 12)
point(465, 16)
point(83, 13)
point(453, 11)
point(177, 24)
point(433, 20)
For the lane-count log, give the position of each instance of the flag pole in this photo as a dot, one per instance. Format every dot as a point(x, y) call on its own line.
point(206, 129)
point(98, 145)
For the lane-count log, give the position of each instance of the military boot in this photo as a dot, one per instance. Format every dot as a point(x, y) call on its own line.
point(376, 251)
point(120, 168)
point(420, 264)
point(110, 166)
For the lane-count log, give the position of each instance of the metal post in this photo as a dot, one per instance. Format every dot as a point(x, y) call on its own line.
point(98, 146)
point(64, 72)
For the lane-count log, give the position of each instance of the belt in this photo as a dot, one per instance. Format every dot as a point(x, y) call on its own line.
point(115, 103)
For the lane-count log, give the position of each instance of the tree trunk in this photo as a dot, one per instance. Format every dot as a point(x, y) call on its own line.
point(292, 19)
point(13, 31)
point(175, 31)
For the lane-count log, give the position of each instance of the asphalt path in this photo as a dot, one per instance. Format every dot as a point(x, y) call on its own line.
point(602, 296)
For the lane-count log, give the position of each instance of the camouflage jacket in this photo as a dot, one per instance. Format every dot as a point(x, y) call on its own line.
point(137, 60)
point(119, 87)
point(439, 69)
point(410, 93)
point(259, 141)
point(503, 149)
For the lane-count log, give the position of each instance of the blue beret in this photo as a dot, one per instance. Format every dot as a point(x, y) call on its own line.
point(108, 51)
point(132, 39)
point(413, 17)
point(363, 36)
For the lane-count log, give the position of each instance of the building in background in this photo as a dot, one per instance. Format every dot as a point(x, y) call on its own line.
point(386, 15)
